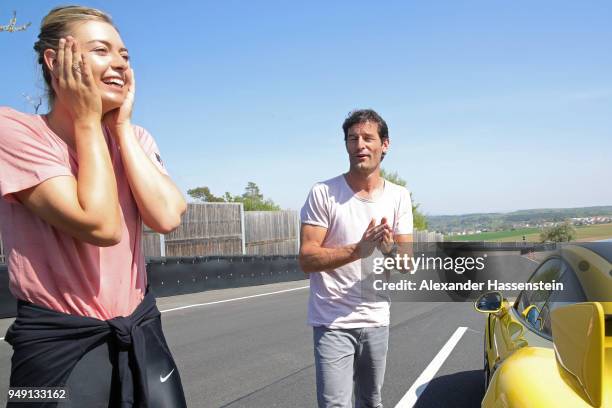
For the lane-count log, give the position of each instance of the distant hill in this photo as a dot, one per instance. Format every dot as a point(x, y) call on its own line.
point(515, 219)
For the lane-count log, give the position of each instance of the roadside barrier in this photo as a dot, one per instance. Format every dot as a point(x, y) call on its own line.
point(176, 276)
point(169, 276)
point(181, 275)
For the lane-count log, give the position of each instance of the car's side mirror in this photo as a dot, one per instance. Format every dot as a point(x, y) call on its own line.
point(531, 314)
point(490, 302)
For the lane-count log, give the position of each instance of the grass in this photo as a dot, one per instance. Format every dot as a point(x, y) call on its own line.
point(495, 236)
point(586, 233)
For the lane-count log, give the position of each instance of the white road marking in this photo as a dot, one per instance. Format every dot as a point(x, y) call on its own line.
point(413, 394)
point(226, 300)
point(232, 300)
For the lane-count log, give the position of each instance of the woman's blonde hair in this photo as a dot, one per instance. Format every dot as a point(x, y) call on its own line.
point(56, 25)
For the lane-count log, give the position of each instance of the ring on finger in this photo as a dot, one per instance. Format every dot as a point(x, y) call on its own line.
point(76, 67)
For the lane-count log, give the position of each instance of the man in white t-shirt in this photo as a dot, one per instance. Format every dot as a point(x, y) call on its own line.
point(343, 220)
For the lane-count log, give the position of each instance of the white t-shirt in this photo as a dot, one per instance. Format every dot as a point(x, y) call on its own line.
point(335, 295)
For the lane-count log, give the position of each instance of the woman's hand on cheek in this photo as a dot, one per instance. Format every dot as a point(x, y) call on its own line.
point(73, 83)
point(120, 119)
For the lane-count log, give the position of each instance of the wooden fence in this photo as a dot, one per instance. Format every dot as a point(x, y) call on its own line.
point(226, 229)
point(271, 232)
point(427, 236)
point(212, 229)
point(208, 229)
point(152, 243)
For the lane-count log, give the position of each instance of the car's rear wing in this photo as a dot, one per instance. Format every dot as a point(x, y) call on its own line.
point(583, 351)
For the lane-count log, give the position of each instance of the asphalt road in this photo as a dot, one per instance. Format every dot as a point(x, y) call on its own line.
point(242, 349)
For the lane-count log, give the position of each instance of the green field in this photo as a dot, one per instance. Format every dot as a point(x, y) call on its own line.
point(587, 233)
point(495, 236)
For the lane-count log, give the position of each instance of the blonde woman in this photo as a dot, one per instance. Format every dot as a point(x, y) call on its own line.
point(76, 185)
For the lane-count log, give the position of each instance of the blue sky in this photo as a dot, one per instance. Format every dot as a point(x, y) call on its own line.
point(491, 105)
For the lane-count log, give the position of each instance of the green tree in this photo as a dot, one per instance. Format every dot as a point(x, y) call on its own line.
point(418, 218)
point(12, 26)
point(251, 204)
point(564, 232)
point(227, 197)
point(251, 191)
point(252, 199)
point(203, 194)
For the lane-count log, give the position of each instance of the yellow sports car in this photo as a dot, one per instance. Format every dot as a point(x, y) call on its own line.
point(553, 347)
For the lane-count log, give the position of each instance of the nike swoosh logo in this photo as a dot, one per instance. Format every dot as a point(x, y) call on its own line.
point(163, 379)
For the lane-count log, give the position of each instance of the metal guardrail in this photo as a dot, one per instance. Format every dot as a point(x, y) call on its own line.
point(170, 276)
point(181, 275)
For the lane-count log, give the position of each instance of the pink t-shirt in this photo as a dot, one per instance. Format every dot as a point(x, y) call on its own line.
point(47, 266)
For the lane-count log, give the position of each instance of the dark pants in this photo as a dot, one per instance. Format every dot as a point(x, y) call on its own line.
point(90, 382)
point(123, 362)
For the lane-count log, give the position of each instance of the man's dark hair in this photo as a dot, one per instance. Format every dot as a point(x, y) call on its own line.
point(362, 116)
